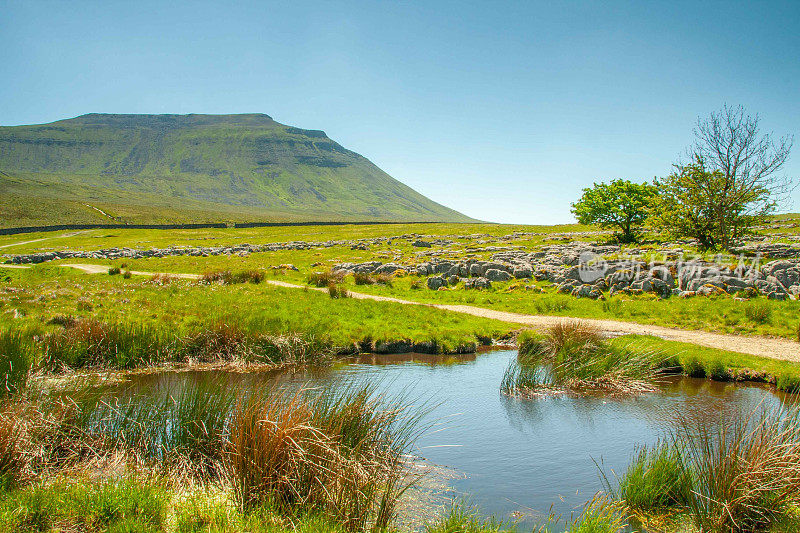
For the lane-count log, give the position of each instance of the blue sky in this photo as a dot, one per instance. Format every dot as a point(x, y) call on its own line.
point(502, 110)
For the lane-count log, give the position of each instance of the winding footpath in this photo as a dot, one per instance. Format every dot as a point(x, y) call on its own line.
point(771, 347)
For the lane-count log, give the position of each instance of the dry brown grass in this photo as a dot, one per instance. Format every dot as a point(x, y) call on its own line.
point(162, 279)
point(13, 454)
point(341, 457)
point(324, 279)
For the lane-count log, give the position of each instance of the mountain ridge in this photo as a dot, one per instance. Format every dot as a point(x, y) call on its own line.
point(197, 167)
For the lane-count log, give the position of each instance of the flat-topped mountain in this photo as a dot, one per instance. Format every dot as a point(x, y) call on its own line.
point(182, 168)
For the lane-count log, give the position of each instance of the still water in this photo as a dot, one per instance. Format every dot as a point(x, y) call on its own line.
point(514, 458)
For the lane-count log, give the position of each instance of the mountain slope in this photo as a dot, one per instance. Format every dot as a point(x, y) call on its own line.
point(180, 168)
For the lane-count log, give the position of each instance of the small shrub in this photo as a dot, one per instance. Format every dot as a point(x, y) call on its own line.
point(226, 277)
point(336, 290)
point(324, 279)
point(113, 271)
point(161, 279)
point(248, 276)
point(759, 311)
point(384, 279)
point(126, 274)
point(362, 278)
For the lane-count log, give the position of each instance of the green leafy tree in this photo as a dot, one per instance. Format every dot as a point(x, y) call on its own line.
point(731, 184)
point(687, 204)
point(620, 204)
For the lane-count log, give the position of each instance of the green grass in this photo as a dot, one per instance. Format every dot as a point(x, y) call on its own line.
point(136, 316)
point(572, 357)
point(462, 518)
point(738, 475)
point(655, 480)
point(599, 515)
point(115, 505)
point(720, 314)
point(17, 356)
point(129, 504)
point(339, 453)
point(722, 365)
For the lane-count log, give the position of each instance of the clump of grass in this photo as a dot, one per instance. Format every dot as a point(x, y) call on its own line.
point(461, 518)
point(336, 290)
point(161, 279)
point(746, 471)
point(226, 277)
point(127, 274)
point(601, 515)
point(337, 455)
point(324, 279)
point(113, 271)
point(17, 356)
point(758, 311)
point(13, 459)
point(693, 367)
point(384, 279)
point(574, 357)
point(740, 475)
point(94, 343)
point(655, 480)
point(363, 278)
point(90, 343)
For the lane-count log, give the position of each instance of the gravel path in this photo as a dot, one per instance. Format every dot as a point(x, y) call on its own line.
point(772, 347)
point(72, 234)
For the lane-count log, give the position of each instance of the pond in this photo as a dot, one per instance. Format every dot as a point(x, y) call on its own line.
point(513, 458)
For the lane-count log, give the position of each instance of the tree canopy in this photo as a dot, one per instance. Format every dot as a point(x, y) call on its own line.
point(731, 183)
point(620, 204)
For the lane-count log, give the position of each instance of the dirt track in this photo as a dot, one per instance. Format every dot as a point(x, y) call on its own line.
point(774, 348)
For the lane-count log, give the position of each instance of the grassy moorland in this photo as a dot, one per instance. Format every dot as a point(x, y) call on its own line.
point(143, 321)
point(209, 168)
point(720, 314)
point(183, 308)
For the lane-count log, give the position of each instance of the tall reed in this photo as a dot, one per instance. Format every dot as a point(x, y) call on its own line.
point(339, 454)
point(17, 355)
point(746, 470)
point(574, 357)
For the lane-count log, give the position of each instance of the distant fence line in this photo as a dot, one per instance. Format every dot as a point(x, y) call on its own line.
point(62, 227)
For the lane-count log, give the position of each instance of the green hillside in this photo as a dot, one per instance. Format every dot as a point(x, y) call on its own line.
point(193, 168)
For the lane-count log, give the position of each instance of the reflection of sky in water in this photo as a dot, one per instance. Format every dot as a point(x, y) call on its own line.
point(517, 455)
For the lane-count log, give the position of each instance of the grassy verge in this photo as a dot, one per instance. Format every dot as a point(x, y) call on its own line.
point(75, 320)
point(339, 454)
point(719, 365)
point(742, 474)
point(136, 504)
